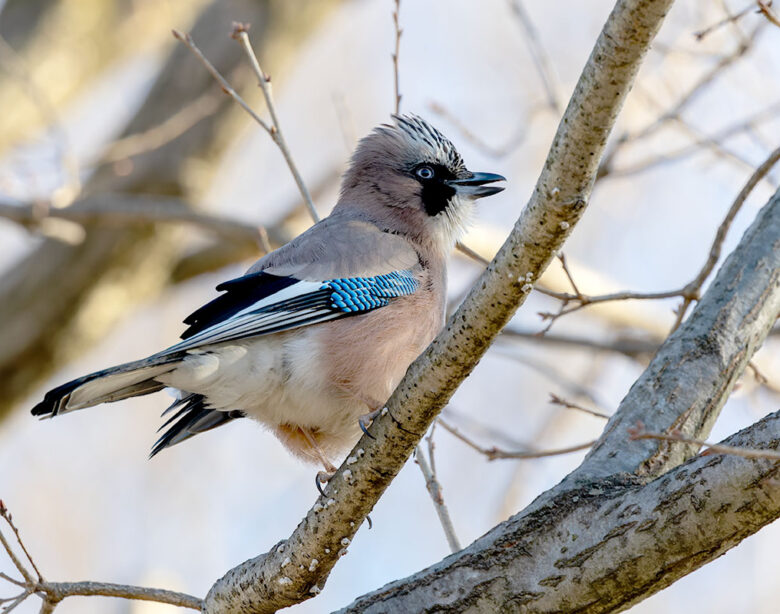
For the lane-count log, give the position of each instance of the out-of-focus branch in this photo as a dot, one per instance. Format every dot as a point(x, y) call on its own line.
point(700, 144)
point(127, 210)
point(286, 575)
point(224, 253)
point(52, 593)
point(729, 19)
point(157, 136)
point(494, 453)
point(540, 57)
point(434, 490)
point(12, 63)
point(67, 45)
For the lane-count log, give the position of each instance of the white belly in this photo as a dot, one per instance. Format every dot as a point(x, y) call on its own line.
point(277, 380)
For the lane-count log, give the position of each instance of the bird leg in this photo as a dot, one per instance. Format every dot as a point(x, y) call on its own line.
point(322, 477)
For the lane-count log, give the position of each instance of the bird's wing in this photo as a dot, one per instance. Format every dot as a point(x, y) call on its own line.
point(340, 246)
point(317, 282)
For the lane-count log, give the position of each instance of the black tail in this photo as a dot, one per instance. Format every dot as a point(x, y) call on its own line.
point(192, 417)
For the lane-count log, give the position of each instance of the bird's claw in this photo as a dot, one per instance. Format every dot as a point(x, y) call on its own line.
point(323, 477)
point(367, 420)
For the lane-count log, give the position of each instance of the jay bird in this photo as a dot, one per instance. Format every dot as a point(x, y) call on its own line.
point(314, 338)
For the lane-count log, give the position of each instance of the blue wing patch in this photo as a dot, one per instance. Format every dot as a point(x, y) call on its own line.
point(356, 294)
point(262, 304)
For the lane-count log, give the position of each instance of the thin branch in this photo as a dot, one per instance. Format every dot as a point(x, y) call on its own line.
point(60, 590)
point(556, 400)
point(763, 8)
point(54, 592)
point(690, 292)
point(540, 57)
point(693, 289)
point(638, 432)
point(273, 129)
point(494, 453)
point(729, 19)
point(398, 32)
point(434, 489)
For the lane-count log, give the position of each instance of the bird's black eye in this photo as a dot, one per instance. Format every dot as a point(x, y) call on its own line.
point(424, 172)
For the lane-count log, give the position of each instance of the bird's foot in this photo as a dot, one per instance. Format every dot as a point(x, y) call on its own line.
point(367, 420)
point(323, 477)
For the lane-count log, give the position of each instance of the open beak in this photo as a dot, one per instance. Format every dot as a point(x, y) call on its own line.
point(475, 186)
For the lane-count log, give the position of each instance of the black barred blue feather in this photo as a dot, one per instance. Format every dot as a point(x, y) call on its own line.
point(355, 294)
point(261, 304)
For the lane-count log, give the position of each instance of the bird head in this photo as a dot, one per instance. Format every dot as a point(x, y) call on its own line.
point(410, 176)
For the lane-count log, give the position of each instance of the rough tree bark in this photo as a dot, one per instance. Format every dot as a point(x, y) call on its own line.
point(115, 269)
point(295, 569)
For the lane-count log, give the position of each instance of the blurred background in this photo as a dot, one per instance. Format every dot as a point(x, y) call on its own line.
point(123, 168)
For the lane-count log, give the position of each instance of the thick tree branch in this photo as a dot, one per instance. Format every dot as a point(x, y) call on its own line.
point(294, 570)
point(604, 546)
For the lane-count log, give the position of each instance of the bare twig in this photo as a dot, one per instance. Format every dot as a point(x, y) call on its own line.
point(698, 145)
point(517, 136)
point(398, 32)
point(692, 290)
point(538, 54)
point(53, 592)
point(556, 400)
point(494, 453)
point(264, 80)
point(729, 19)
point(628, 346)
point(581, 300)
point(275, 130)
point(763, 8)
point(639, 432)
point(434, 489)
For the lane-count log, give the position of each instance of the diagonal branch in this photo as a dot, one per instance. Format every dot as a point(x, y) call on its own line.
point(605, 546)
point(288, 574)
